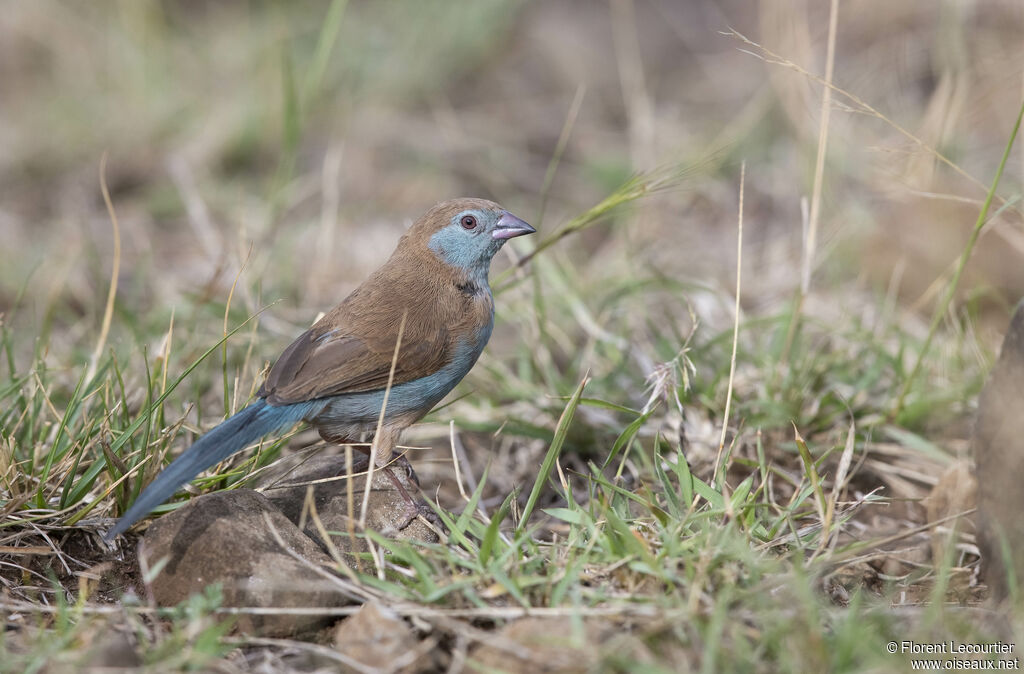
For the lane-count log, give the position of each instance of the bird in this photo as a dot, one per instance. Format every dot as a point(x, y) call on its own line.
point(433, 291)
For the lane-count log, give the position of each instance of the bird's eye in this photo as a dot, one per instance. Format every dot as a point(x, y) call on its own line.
point(468, 222)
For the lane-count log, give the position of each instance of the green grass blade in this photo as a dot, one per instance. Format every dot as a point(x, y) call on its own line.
point(561, 431)
point(626, 437)
point(947, 298)
point(85, 483)
point(491, 538)
point(471, 505)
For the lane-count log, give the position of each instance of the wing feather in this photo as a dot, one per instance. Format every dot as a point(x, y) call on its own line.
point(313, 368)
point(350, 349)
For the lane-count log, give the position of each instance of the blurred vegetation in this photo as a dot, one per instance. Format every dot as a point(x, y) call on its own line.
point(272, 153)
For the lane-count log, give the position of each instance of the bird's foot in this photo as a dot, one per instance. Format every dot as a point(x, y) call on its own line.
point(412, 511)
point(412, 508)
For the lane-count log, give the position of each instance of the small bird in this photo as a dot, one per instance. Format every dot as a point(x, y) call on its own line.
point(335, 375)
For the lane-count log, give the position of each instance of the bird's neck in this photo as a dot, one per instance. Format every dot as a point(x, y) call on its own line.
point(473, 280)
point(469, 279)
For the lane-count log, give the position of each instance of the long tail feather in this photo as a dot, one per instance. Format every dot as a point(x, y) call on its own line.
point(238, 432)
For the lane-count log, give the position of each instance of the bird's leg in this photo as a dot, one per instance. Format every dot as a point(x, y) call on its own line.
point(380, 452)
point(383, 449)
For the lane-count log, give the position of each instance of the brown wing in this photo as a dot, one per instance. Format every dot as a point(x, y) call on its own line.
point(350, 349)
point(335, 363)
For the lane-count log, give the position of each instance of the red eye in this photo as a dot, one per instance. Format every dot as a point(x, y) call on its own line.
point(468, 222)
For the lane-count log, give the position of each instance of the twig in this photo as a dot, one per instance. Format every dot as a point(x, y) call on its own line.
point(455, 461)
point(768, 56)
point(637, 100)
point(195, 208)
point(810, 238)
point(330, 185)
point(353, 591)
point(108, 312)
point(819, 164)
point(735, 328)
point(228, 408)
point(322, 651)
point(940, 310)
point(309, 505)
point(375, 447)
point(405, 610)
point(556, 157)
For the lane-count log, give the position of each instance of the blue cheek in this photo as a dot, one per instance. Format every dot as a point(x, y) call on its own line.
point(453, 247)
point(465, 250)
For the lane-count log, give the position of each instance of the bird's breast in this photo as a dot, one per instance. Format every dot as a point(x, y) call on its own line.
point(409, 401)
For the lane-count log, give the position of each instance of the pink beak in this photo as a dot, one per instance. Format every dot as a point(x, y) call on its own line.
point(509, 226)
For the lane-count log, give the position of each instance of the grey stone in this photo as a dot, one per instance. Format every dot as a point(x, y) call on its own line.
point(376, 637)
point(112, 652)
point(955, 493)
point(226, 538)
point(388, 510)
point(535, 645)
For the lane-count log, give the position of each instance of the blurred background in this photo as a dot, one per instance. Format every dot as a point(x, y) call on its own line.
point(287, 145)
point(236, 123)
point(266, 156)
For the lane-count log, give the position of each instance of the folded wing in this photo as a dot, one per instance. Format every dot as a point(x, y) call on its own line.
point(335, 363)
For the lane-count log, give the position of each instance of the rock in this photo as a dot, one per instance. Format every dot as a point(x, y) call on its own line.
point(532, 645)
point(388, 513)
point(226, 538)
point(955, 493)
point(113, 651)
point(998, 445)
point(376, 637)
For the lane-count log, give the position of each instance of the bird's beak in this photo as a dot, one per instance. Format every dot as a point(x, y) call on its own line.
point(509, 226)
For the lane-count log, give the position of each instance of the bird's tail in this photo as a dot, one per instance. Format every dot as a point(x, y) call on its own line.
point(236, 433)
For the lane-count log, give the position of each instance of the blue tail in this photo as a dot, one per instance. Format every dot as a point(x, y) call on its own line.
point(238, 432)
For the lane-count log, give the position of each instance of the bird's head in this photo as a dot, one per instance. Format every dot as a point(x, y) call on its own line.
point(466, 233)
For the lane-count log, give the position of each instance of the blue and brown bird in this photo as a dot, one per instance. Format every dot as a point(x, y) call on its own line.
point(336, 374)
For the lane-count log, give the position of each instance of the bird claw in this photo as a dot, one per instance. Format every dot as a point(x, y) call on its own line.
point(412, 510)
